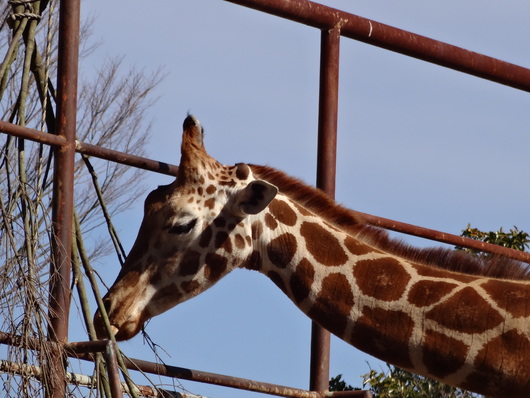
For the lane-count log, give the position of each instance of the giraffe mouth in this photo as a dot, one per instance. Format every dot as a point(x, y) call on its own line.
point(126, 331)
point(114, 330)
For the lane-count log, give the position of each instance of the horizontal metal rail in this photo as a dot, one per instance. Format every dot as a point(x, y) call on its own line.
point(444, 237)
point(107, 347)
point(233, 382)
point(89, 381)
point(89, 149)
point(124, 158)
point(31, 134)
point(84, 349)
point(394, 39)
point(218, 379)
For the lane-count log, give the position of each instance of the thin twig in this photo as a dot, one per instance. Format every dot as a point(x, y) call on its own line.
point(114, 236)
point(85, 308)
point(93, 283)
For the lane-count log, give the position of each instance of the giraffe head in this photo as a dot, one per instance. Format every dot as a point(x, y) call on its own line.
point(194, 231)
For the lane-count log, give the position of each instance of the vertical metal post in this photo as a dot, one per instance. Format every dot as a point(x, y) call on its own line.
point(326, 171)
point(113, 369)
point(63, 188)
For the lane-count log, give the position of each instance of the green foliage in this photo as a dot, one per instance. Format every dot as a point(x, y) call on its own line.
point(337, 384)
point(399, 383)
point(515, 239)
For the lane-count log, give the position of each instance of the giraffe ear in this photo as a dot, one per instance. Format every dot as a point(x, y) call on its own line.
point(255, 197)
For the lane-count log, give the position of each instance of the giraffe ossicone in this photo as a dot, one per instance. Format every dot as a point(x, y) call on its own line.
point(413, 308)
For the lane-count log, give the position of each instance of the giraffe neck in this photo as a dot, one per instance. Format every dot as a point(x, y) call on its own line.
point(465, 330)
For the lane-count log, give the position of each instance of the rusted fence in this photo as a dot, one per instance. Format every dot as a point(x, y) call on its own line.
point(333, 25)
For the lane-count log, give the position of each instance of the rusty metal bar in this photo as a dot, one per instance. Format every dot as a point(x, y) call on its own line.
point(451, 239)
point(124, 158)
point(32, 371)
point(326, 173)
point(107, 347)
point(394, 39)
point(328, 111)
point(76, 350)
point(89, 149)
point(63, 189)
point(31, 134)
point(226, 381)
point(64, 169)
point(19, 341)
point(218, 379)
point(84, 349)
point(113, 369)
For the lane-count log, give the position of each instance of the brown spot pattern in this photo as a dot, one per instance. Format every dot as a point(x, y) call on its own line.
point(270, 222)
point(189, 286)
point(253, 261)
point(435, 272)
point(303, 211)
point(324, 247)
point(427, 292)
point(333, 304)
point(283, 212)
point(222, 240)
point(219, 222)
point(211, 189)
point(282, 249)
point(466, 311)
point(502, 367)
point(215, 266)
point(302, 280)
point(277, 279)
point(443, 355)
point(190, 263)
point(257, 229)
point(170, 290)
point(239, 241)
point(209, 203)
point(357, 248)
point(510, 296)
point(384, 334)
point(383, 279)
point(227, 182)
point(206, 237)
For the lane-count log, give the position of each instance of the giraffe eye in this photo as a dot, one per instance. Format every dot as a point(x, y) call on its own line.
point(181, 229)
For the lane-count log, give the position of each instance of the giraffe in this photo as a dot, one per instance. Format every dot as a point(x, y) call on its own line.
point(414, 308)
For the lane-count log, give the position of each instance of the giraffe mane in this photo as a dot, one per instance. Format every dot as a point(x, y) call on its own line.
point(348, 221)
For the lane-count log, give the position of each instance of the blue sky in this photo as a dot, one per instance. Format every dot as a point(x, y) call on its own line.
point(417, 143)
